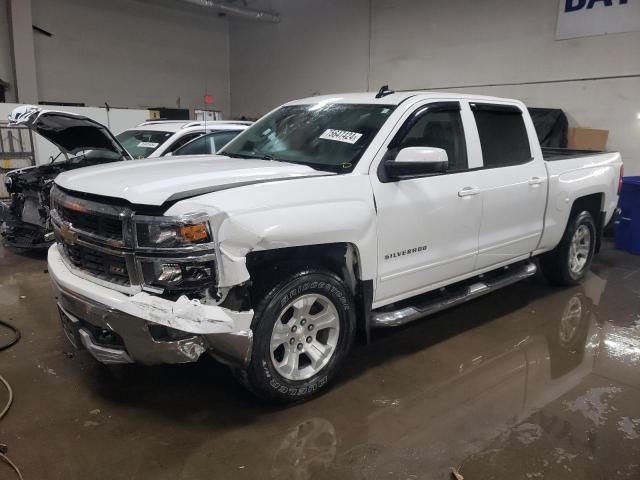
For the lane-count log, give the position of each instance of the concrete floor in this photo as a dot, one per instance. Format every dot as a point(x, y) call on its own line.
point(530, 382)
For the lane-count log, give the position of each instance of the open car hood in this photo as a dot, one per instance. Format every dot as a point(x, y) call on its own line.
point(70, 132)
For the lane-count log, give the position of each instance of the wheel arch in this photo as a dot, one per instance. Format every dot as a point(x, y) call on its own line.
point(341, 258)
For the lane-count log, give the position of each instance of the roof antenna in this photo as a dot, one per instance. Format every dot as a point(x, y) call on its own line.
point(384, 91)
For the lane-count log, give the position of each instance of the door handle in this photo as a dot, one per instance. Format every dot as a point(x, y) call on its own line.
point(535, 181)
point(468, 191)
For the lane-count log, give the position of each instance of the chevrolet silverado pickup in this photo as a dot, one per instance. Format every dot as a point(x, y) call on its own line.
point(329, 217)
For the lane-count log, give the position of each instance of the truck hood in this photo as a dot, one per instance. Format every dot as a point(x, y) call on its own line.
point(70, 132)
point(156, 181)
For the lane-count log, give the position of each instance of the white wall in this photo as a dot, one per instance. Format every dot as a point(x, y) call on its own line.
point(323, 47)
point(319, 47)
point(130, 54)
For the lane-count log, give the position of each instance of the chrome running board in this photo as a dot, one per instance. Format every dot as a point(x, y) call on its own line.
point(485, 284)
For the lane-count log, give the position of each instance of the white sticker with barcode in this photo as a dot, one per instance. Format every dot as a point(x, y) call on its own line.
point(341, 136)
point(148, 144)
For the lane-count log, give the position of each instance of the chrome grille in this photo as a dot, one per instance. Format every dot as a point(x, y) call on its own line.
point(106, 227)
point(106, 266)
point(93, 239)
point(98, 240)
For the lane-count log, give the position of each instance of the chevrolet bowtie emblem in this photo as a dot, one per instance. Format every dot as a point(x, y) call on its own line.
point(68, 235)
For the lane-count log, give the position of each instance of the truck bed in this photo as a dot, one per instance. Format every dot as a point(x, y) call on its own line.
point(551, 154)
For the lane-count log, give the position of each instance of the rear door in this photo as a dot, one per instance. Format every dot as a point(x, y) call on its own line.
point(512, 183)
point(427, 227)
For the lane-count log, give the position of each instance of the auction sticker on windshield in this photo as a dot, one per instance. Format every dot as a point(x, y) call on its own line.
point(148, 144)
point(341, 136)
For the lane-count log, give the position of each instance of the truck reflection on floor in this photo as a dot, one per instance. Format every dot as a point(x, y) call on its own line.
point(492, 394)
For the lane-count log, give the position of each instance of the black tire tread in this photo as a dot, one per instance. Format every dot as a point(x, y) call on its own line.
point(268, 289)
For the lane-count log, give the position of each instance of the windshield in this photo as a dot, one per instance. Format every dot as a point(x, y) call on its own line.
point(329, 137)
point(142, 143)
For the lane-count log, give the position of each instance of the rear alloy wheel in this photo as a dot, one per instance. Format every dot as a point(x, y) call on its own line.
point(569, 262)
point(580, 249)
point(302, 329)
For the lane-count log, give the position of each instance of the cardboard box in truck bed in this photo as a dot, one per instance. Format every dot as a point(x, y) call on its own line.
point(588, 139)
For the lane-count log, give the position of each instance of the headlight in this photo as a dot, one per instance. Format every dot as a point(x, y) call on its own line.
point(174, 267)
point(173, 232)
point(178, 275)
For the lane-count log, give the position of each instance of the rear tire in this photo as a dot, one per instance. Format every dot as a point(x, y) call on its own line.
point(303, 329)
point(569, 262)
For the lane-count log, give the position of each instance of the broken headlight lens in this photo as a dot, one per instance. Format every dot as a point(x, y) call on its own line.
point(177, 275)
point(173, 233)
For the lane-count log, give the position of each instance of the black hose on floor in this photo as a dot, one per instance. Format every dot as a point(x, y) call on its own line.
point(5, 409)
point(14, 340)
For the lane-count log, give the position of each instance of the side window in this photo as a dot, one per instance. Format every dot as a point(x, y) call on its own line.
point(503, 136)
point(183, 140)
point(222, 138)
point(440, 127)
point(199, 146)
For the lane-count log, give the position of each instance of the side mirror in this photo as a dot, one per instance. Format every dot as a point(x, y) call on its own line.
point(413, 162)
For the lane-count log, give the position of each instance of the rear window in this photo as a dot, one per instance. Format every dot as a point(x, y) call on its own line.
point(199, 146)
point(142, 143)
point(503, 136)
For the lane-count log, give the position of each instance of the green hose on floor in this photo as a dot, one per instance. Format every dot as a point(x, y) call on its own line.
point(3, 412)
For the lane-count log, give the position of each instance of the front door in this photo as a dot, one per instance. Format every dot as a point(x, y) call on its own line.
point(427, 227)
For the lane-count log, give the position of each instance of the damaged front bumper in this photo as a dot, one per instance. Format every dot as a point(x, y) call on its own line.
point(118, 328)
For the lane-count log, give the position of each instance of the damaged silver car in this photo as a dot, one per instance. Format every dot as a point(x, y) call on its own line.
point(24, 221)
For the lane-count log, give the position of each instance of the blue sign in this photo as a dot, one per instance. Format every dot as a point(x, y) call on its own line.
point(575, 5)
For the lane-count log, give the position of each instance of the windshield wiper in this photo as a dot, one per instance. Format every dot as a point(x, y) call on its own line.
point(264, 156)
point(267, 156)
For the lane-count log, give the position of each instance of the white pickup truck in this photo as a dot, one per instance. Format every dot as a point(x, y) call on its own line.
point(331, 215)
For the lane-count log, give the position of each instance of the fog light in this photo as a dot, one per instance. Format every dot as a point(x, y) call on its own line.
point(170, 273)
point(176, 276)
point(197, 272)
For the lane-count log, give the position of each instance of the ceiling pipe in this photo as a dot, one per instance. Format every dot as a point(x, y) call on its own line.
point(244, 12)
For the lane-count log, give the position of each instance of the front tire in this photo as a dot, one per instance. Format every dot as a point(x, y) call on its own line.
point(303, 329)
point(569, 262)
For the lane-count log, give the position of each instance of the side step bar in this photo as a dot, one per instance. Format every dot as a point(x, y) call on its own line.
point(401, 316)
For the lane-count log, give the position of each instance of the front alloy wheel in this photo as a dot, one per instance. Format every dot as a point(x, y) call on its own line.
point(303, 328)
point(305, 337)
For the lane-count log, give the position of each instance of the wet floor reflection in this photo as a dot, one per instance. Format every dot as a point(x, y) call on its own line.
point(530, 382)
